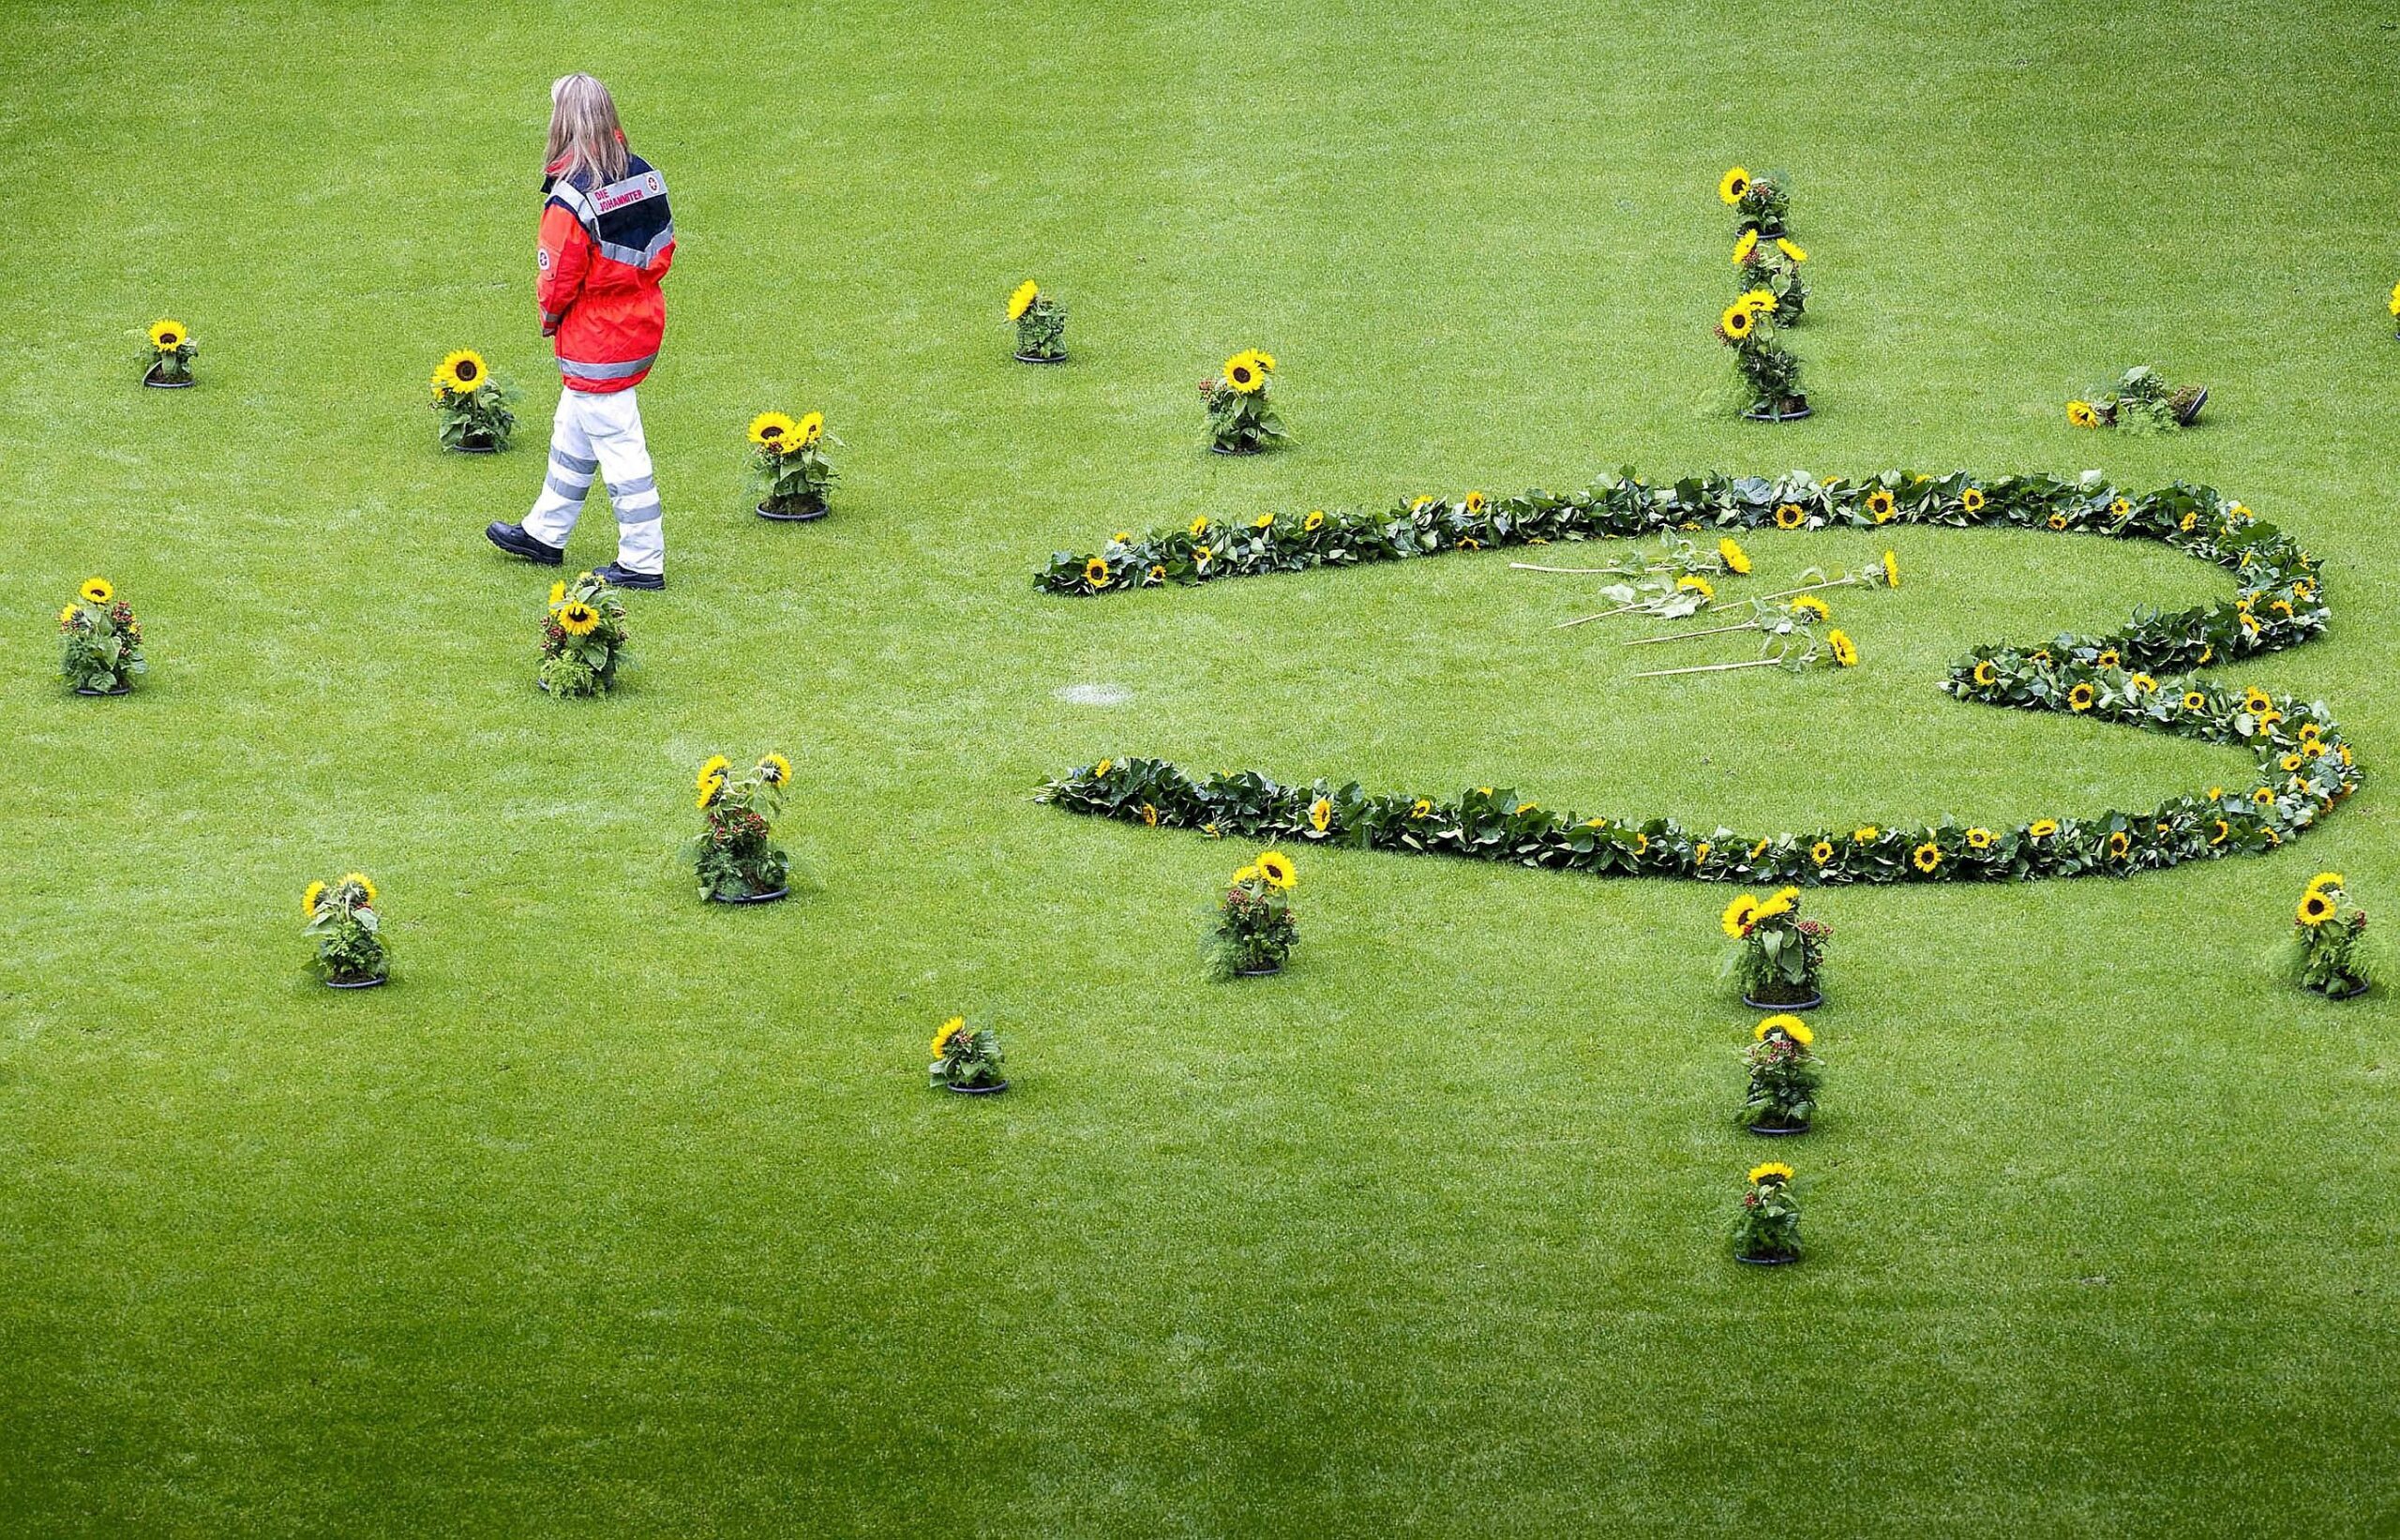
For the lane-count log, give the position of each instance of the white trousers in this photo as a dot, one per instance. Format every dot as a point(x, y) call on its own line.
point(597, 433)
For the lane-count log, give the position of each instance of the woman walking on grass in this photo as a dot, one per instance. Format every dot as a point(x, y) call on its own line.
point(607, 240)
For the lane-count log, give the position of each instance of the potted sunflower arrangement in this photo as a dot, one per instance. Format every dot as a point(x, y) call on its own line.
point(1780, 957)
point(967, 1059)
point(583, 639)
point(1769, 371)
point(343, 923)
point(1772, 266)
point(788, 471)
point(1242, 418)
point(2326, 942)
point(736, 857)
point(1766, 1227)
point(167, 362)
point(1759, 202)
point(474, 407)
point(1041, 325)
point(1784, 1077)
point(99, 641)
point(1256, 930)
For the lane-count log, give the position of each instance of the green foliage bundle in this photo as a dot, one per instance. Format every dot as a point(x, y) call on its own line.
point(734, 853)
point(583, 639)
point(347, 930)
point(1241, 417)
point(1772, 266)
point(99, 640)
point(2327, 943)
point(1759, 202)
point(1769, 371)
point(1256, 928)
point(1766, 1227)
point(965, 1057)
point(1785, 1076)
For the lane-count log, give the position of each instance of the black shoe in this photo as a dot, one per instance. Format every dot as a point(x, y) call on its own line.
point(617, 578)
point(513, 539)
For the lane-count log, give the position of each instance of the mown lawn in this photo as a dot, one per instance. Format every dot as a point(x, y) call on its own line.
point(619, 1213)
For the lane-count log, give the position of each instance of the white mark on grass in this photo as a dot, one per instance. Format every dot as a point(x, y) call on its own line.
point(1095, 694)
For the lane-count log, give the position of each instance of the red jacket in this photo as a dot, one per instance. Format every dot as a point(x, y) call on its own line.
point(603, 250)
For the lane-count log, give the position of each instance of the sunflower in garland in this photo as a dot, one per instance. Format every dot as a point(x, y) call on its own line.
point(1790, 515)
point(774, 432)
point(1315, 522)
point(2080, 698)
point(1881, 505)
point(1926, 857)
point(1096, 573)
point(1985, 674)
point(577, 618)
point(2042, 829)
point(95, 591)
point(1972, 500)
point(462, 371)
point(1734, 185)
point(1021, 299)
point(1980, 839)
point(1821, 852)
point(2119, 843)
point(1244, 374)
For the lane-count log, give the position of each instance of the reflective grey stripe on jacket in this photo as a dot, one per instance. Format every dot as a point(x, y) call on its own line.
point(575, 370)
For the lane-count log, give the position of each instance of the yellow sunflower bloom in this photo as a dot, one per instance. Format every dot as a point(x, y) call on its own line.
point(709, 790)
point(1972, 500)
point(810, 428)
point(66, 614)
point(1891, 571)
point(464, 370)
point(1149, 815)
point(2323, 881)
point(2042, 829)
point(776, 768)
point(167, 336)
point(1744, 248)
point(1926, 857)
point(1693, 583)
point(95, 591)
point(1096, 573)
point(1791, 250)
point(577, 618)
point(1821, 852)
point(1277, 868)
point(1845, 652)
point(558, 594)
point(1737, 322)
point(1021, 299)
point(949, 1029)
point(2081, 416)
point(1245, 873)
point(1985, 672)
point(1881, 505)
point(1734, 185)
point(358, 880)
point(1759, 301)
point(1156, 573)
point(1864, 833)
point(2316, 908)
point(1320, 814)
point(1790, 515)
point(1100, 771)
point(1790, 1025)
point(1774, 1170)
point(1980, 839)
point(716, 768)
point(774, 432)
point(1421, 808)
point(1198, 527)
point(1808, 604)
point(2081, 698)
point(1244, 375)
point(309, 900)
point(1315, 522)
point(1736, 560)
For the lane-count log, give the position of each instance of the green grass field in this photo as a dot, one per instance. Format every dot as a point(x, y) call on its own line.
point(624, 1214)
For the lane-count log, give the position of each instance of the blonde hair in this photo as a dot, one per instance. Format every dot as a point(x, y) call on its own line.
point(584, 132)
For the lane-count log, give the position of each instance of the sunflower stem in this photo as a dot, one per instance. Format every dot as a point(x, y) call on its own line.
point(1806, 588)
point(1602, 616)
point(1683, 635)
point(1709, 669)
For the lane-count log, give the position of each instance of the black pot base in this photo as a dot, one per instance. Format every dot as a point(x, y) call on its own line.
point(1767, 1132)
point(476, 449)
point(152, 380)
point(358, 983)
point(1792, 413)
point(1811, 1003)
point(1267, 972)
point(751, 898)
point(806, 518)
point(2325, 994)
point(976, 1090)
point(1763, 1262)
point(1222, 449)
point(114, 690)
point(1037, 358)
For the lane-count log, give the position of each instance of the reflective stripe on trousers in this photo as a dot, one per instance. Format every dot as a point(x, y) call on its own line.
point(596, 435)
